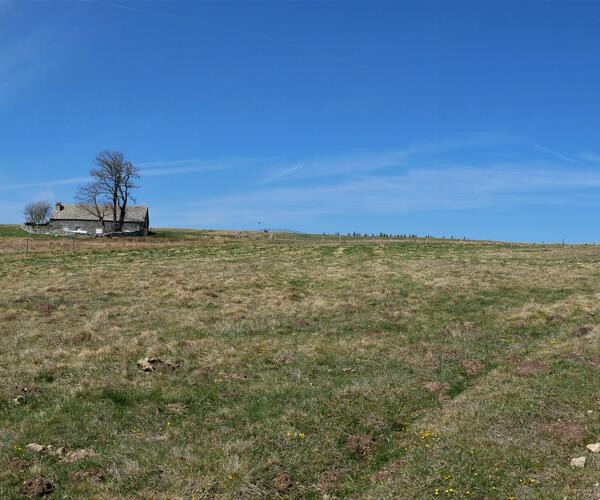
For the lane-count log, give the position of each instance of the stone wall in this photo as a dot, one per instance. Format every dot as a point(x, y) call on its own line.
point(91, 227)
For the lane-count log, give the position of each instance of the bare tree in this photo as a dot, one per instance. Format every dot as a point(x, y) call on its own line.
point(113, 181)
point(37, 212)
point(91, 199)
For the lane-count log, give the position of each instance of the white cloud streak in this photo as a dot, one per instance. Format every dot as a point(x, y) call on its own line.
point(453, 188)
point(163, 168)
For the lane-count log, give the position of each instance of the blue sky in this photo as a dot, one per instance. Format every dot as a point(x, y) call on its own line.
point(445, 118)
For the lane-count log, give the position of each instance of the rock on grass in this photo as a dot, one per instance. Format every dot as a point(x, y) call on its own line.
point(594, 447)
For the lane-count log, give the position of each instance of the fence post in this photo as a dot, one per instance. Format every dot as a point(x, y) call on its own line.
point(27, 245)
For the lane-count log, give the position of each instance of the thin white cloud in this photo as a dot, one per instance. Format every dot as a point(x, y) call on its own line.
point(27, 58)
point(590, 157)
point(551, 152)
point(43, 184)
point(247, 34)
point(162, 168)
point(356, 164)
point(453, 188)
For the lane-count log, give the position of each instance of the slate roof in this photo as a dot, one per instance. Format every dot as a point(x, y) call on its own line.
point(79, 212)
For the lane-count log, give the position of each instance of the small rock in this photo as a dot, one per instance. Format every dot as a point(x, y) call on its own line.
point(74, 456)
point(55, 452)
point(578, 462)
point(594, 447)
point(176, 407)
point(148, 364)
point(35, 448)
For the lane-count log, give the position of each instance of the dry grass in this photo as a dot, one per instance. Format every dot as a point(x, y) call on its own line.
point(298, 367)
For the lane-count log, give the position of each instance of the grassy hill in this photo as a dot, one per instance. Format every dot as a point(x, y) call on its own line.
point(298, 367)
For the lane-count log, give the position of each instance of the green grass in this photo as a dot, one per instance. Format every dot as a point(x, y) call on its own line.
point(288, 351)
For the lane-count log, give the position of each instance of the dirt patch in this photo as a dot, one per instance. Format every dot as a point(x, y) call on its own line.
point(176, 407)
point(82, 454)
point(93, 476)
point(44, 309)
point(565, 432)
point(436, 388)
point(81, 338)
point(472, 367)
point(381, 475)
point(328, 481)
point(595, 361)
point(18, 464)
point(149, 365)
point(233, 376)
point(37, 487)
point(282, 482)
point(583, 331)
point(529, 368)
point(362, 444)
point(281, 360)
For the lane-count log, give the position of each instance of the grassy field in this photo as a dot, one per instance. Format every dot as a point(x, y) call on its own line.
point(298, 367)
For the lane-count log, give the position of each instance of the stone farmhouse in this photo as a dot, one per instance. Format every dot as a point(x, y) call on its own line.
point(77, 219)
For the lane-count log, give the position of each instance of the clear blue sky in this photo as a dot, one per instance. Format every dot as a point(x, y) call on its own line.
point(451, 118)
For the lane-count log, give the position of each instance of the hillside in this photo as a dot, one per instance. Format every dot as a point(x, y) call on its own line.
point(202, 364)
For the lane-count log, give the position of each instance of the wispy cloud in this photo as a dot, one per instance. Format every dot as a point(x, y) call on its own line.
point(590, 157)
point(453, 188)
point(43, 184)
point(27, 58)
point(433, 150)
point(163, 168)
point(551, 152)
point(247, 34)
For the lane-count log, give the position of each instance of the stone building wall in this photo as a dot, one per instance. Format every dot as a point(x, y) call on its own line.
point(91, 227)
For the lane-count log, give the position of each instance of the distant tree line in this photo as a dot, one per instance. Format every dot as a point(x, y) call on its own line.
point(356, 234)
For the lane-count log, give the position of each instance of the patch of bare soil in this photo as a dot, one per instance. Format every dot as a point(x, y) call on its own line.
point(149, 365)
point(94, 476)
point(384, 473)
point(328, 481)
point(472, 367)
point(528, 368)
point(436, 388)
point(595, 361)
point(233, 376)
point(37, 487)
point(44, 309)
point(362, 444)
point(583, 331)
point(176, 407)
point(565, 432)
point(81, 338)
point(18, 464)
point(282, 482)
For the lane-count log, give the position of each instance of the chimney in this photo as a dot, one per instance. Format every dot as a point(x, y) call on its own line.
point(59, 206)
